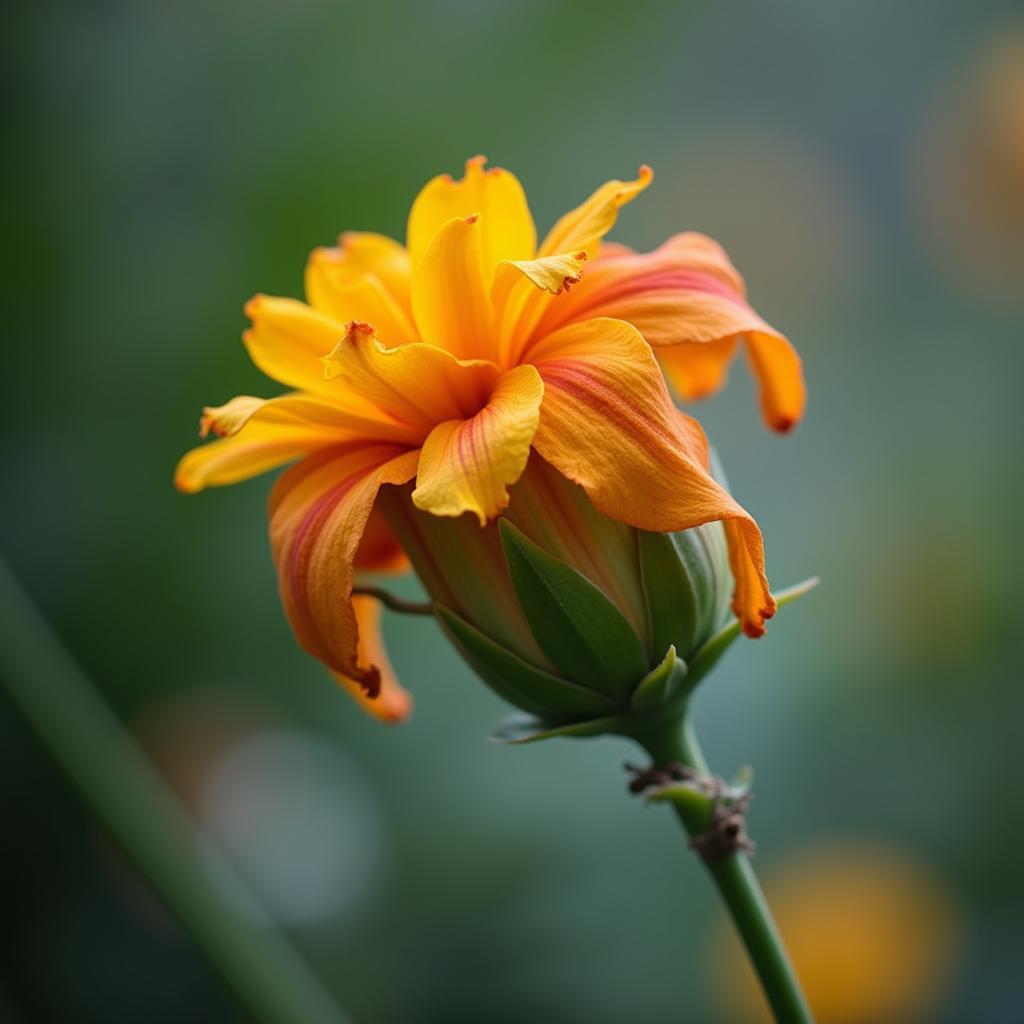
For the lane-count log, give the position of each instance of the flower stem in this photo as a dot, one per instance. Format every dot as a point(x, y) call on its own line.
point(736, 882)
point(121, 787)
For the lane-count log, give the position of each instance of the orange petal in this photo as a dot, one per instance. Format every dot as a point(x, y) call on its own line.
point(468, 465)
point(584, 227)
point(379, 549)
point(780, 379)
point(318, 512)
point(697, 369)
point(418, 385)
point(332, 289)
point(495, 194)
point(256, 435)
point(393, 703)
point(608, 424)
point(684, 297)
point(449, 294)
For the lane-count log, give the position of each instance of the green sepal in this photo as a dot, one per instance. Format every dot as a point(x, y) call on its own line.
point(707, 657)
point(576, 626)
point(679, 585)
point(518, 682)
point(516, 729)
point(660, 685)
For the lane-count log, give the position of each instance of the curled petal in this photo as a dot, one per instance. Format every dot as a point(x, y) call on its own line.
point(495, 194)
point(417, 385)
point(468, 465)
point(256, 435)
point(584, 227)
point(393, 703)
point(684, 298)
point(318, 512)
point(449, 293)
point(608, 424)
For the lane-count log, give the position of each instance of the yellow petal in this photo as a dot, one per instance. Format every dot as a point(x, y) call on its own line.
point(608, 424)
point(343, 292)
point(288, 339)
point(318, 511)
point(364, 252)
point(520, 294)
point(507, 226)
point(225, 420)
point(257, 435)
point(449, 295)
point(468, 465)
point(418, 385)
point(584, 227)
point(393, 703)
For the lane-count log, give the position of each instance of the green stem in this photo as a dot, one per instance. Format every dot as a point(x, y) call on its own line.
point(737, 884)
point(125, 792)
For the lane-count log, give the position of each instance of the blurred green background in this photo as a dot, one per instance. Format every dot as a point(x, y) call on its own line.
point(864, 165)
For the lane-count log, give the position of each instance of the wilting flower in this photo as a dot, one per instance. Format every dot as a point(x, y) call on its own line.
point(433, 375)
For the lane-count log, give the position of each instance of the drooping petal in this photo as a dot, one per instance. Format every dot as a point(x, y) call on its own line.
point(697, 369)
point(393, 703)
point(418, 385)
point(333, 289)
point(495, 194)
point(684, 298)
point(608, 424)
point(780, 379)
point(584, 227)
point(468, 465)
point(450, 298)
point(520, 294)
point(256, 435)
point(318, 512)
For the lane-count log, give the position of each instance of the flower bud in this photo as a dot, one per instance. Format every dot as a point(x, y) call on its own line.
point(571, 616)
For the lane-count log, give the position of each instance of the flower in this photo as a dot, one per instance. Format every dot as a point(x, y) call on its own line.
point(448, 362)
point(572, 616)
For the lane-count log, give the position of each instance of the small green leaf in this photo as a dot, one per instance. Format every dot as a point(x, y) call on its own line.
point(576, 626)
point(526, 729)
point(660, 684)
point(518, 682)
point(707, 657)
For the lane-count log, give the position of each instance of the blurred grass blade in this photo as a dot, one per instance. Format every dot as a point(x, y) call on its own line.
point(125, 792)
